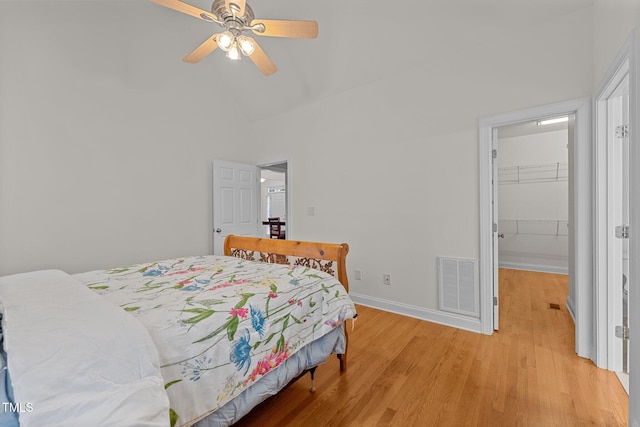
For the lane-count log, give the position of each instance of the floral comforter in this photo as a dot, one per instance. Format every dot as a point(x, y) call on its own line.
point(221, 323)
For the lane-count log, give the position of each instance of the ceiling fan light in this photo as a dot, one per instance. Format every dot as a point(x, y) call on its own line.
point(225, 40)
point(234, 52)
point(553, 121)
point(246, 45)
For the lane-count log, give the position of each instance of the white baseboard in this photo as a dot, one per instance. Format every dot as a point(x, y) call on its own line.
point(534, 267)
point(624, 380)
point(443, 318)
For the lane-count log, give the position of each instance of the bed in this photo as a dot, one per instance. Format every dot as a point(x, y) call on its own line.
point(195, 340)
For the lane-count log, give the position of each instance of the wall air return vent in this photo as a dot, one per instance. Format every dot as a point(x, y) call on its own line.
point(458, 286)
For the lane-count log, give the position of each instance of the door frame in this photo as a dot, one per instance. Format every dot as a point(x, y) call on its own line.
point(630, 52)
point(634, 220)
point(608, 348)
point(580, 196)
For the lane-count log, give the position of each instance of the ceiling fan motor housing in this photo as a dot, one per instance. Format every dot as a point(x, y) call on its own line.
point(231, 20)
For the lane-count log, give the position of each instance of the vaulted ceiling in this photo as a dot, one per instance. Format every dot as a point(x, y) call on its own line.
point(359, 42)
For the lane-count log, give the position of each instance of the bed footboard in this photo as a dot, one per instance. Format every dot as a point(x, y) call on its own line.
point(327, 257)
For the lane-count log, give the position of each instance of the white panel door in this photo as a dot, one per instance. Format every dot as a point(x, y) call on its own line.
point(236, 192)
point(494, 208)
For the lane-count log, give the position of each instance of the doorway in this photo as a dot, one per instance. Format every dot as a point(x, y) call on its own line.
point(530, 198)
point(580, 298)
point(237, 199)
point(274, 200)
point(533, 196)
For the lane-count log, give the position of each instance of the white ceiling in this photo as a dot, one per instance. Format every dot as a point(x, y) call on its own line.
point(359, 42)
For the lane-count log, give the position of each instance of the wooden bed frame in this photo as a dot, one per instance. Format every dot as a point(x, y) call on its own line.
point(320, 256)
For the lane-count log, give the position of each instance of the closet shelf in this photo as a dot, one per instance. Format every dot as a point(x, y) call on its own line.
point(534, 227)
point(550, 172)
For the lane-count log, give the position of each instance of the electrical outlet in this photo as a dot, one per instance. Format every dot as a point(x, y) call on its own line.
point(358, 274)
point(386, 279)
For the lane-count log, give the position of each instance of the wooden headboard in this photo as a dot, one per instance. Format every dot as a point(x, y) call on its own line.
point(320, 256)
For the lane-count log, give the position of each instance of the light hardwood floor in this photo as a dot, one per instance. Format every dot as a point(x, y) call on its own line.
point(407, 372)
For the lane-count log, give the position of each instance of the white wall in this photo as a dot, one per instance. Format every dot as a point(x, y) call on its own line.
point(533, 211)
point(106, 141)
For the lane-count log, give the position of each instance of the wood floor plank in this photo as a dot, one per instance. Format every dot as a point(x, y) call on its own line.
point(425, 374)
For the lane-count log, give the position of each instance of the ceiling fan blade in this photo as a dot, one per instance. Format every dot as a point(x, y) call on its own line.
point(282, 28)
point(208, 46)
point(188, 9)
point(261, 59)
point(239, 3)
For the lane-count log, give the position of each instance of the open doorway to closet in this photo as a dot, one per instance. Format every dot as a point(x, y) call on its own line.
point(533, 195)
point(580, 299)
point(274, 200)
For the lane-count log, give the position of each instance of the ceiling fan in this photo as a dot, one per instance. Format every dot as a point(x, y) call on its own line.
point(236, 17)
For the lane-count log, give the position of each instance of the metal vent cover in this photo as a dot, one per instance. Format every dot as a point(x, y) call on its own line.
point(458, 286)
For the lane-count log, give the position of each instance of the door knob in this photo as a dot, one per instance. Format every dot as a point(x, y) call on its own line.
point(501, 235)
point(218, 230)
